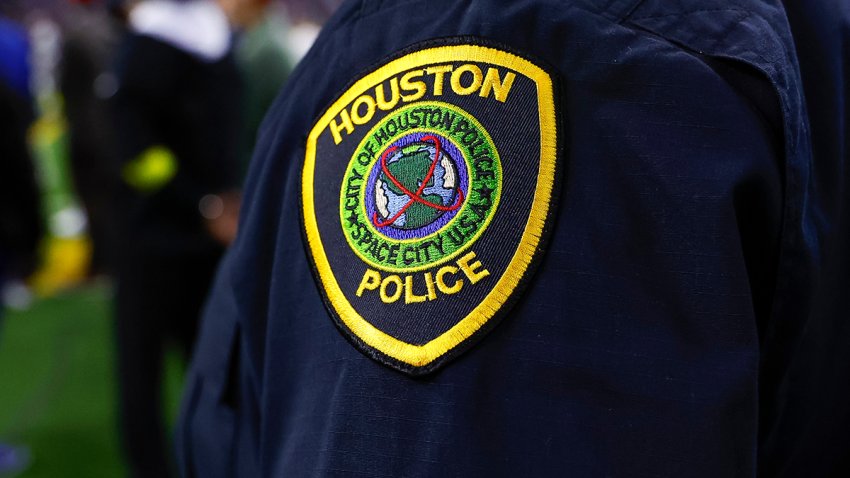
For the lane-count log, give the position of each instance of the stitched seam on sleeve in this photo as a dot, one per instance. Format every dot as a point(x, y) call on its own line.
point(692, 12)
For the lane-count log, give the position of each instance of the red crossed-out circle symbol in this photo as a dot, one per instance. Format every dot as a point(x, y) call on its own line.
point(414, 197)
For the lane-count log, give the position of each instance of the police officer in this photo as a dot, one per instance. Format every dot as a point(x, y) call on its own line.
point(538, 238)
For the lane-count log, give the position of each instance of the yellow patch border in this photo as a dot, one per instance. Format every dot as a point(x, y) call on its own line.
point(422, 355)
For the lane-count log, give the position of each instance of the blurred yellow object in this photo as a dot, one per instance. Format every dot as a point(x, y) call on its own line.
point(66, 262)
point(47, 130)
point(150, 170)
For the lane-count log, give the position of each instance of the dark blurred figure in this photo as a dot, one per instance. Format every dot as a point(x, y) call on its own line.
point(20, 221)
point(20, 207)
point(176, 119)
point(86, 85)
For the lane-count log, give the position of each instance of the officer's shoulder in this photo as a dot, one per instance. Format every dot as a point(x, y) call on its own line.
point(753, 31)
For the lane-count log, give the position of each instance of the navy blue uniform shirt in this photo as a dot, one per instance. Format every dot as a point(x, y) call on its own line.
point(668, 300)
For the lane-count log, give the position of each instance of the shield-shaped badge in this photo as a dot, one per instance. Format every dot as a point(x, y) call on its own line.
point(427, 189)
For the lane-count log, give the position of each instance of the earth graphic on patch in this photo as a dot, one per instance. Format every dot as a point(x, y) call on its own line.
point(417, 184)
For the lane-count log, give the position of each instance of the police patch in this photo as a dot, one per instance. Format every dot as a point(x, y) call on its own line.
point(426, 192)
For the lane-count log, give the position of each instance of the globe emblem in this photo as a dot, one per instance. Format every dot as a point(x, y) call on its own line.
point(417, 184)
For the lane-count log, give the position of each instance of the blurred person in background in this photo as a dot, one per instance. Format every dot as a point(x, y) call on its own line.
point(176, 117)
point(263, 60)
point(87, 83)
point(20, 221)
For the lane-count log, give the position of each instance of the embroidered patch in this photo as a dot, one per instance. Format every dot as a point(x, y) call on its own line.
point(426, 192)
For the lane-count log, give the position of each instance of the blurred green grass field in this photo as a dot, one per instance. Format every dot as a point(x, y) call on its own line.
point(58, 385)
